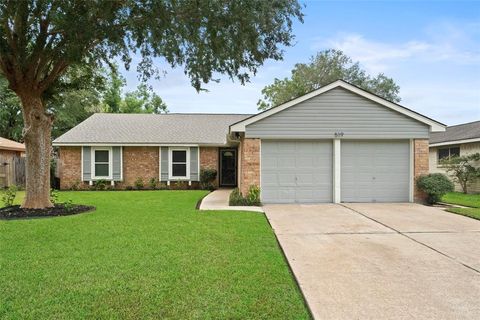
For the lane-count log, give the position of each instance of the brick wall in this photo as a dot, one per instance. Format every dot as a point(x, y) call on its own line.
point(421, 165)
point(70, 167)
point(250, 164)
point(209, 160)
point(139, 162)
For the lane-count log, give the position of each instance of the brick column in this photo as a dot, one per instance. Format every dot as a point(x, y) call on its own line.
point(250, 164)
point(209, 160)
point(421, 159)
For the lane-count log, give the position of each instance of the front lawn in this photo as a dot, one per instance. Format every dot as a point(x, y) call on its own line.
point(468, 200)
point(145, 254)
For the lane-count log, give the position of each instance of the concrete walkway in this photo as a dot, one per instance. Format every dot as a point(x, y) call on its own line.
point(218, 200)
point(381, 261)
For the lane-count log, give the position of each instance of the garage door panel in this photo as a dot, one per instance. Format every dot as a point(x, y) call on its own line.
point(301, 172)
point(375, 171)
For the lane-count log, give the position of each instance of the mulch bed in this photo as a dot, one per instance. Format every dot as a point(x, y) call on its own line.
point(15, 212)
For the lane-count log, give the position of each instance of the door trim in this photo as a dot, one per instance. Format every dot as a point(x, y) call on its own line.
point(220, 169)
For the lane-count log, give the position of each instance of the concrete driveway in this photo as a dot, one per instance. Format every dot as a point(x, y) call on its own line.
point(382, 261)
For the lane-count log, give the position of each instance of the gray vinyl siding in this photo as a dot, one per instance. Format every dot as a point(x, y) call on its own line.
point(164, 163)
point(87, 164)
point(337, 110)
point(117, 163)
point(194, 174)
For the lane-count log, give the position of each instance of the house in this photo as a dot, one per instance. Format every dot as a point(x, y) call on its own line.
point(459, 140)
point(10, 151)
point(336, 144)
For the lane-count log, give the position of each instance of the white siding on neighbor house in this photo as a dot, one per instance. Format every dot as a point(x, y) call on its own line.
point(465, 149)
point(337, 110)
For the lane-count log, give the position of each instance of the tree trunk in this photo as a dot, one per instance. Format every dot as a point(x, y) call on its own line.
point(37, 135)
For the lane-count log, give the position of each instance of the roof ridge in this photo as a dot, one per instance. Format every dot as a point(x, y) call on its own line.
point(463, 124)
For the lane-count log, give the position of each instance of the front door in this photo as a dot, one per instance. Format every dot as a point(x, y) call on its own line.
point(228, 167)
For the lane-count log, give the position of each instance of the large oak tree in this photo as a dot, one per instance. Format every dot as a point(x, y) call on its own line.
point(324, 68)
point(41, 39)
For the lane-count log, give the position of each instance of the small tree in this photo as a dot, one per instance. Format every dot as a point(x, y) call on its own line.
point(462, 169)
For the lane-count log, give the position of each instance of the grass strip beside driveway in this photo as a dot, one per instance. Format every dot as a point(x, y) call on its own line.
point(467, 200)
point(145, 254)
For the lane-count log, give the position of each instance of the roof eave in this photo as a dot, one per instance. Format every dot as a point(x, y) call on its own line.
point(446, 143)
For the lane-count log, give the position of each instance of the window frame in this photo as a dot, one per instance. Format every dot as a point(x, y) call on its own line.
point(110, 163)
point(449, 152)
point(170, 163)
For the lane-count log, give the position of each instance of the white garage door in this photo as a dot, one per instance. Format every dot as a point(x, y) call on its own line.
point(296, 171)
point(375, 171)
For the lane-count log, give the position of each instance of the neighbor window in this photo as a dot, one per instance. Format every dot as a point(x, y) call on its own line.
point(101, 163)
point(444, 153)
point(179, 163)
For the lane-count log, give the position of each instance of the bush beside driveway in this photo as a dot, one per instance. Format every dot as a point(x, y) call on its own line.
point(145, 254)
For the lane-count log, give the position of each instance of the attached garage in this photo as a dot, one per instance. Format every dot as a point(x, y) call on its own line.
point(296, 171)
point(375, 171)
point(336, 144)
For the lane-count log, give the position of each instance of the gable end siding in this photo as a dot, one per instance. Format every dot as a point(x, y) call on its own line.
point(337, 110)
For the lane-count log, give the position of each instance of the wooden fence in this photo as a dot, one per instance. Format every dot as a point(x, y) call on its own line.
point(12, 171)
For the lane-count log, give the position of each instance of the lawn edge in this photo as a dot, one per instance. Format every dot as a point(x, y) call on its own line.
point(304, 298)
point(463, 214)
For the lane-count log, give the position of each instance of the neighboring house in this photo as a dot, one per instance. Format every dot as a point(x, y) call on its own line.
point(9, 151)
point(336, 144)
point(459, 140)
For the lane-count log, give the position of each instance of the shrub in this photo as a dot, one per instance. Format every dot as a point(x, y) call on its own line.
point(435, 185)
point(207, 178)
point(9, 195)
point(54, 196)
point(68, 205)
point(252, 198)
point(76, 185)
point(236, 198)
point(128, 188)
point(152, 183)
point(179, 185)
point(139, 183)
point(162, 185)
point(100, 184)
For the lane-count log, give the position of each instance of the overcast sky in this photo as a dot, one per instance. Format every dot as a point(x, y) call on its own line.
point(430, 48)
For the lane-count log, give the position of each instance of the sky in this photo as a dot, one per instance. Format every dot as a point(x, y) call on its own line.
point(430, 48)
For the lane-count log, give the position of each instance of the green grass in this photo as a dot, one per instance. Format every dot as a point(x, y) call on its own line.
point(468, 200)
point(145, 254)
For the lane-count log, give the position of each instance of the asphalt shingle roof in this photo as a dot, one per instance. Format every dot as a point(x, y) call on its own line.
point(171, 128)
point(464, 131)
point(6, 144)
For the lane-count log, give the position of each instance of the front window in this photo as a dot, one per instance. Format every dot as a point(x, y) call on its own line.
point(101, 163)
point(179, 163)
point(444, 153)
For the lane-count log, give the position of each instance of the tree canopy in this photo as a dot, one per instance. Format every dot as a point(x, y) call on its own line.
point(324, 68)
point(41, 39)
point(81, 94)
